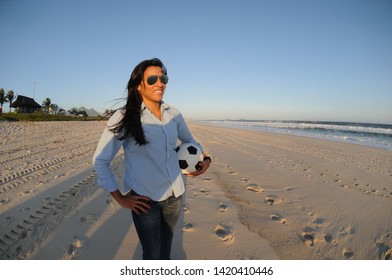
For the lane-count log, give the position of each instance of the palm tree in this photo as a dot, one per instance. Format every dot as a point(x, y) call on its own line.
point(54, 108)
point(10, 97)
point(3, 99)
point(73, 111)
point(47, 102)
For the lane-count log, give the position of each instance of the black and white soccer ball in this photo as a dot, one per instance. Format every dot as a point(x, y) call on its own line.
point(189, 157)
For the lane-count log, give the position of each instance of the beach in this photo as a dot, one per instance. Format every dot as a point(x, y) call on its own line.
point(266, 196)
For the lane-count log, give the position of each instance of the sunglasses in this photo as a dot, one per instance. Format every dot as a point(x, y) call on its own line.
point(154, 78)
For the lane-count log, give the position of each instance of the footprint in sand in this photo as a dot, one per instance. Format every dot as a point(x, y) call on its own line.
point(224, 232)
point(328, 238)
point(186, 208)
point(89, 219)
point(347, 253)
point(307, 236)
point(384, 251)
point(188, 227)
point(273, 199)
point(194, 194)
point(7, 220)
point(388, 254)
point(111, 203)
point(346, 231)
point(5, 201)
point(254, 188)
point(204, 191)
point(279, 218)
point(222, 207)
point(60, 175)
point(26, 192)
point(244, 179)
point(318, 221)
point(75, 249)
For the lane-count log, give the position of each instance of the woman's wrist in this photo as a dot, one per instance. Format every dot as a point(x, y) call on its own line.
point(207, 158)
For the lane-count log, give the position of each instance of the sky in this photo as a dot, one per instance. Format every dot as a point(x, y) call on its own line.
point(249, 59)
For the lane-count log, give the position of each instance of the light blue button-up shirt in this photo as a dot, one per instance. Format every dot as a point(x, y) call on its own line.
point(152, 169)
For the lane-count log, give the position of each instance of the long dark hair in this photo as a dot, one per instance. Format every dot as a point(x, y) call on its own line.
point(130, 125)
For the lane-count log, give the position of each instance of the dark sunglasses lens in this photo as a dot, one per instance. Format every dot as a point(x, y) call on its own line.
point(164, 79)
point(152, 80)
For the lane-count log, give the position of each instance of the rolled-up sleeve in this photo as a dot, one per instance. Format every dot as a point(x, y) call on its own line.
point(107, 148)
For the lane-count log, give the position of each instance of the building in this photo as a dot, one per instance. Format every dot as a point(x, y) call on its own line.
point(24, 104)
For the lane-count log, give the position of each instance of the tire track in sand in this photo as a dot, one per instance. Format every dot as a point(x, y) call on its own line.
point(26, 235)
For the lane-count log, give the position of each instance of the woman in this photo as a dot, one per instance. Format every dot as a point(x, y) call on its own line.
point(148, 130)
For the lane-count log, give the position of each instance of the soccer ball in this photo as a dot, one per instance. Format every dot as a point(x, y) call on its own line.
point(189, 156)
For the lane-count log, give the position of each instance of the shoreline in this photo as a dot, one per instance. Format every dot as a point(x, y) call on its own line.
point(363, 134)
point(266, 196)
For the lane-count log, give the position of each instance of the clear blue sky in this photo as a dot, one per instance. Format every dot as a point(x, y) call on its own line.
point(259, 59)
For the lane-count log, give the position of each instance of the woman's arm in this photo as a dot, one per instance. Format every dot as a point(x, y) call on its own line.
point(186, 137)
point(107, 148)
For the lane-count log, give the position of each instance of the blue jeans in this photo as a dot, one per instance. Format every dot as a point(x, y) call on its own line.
point(155, 228)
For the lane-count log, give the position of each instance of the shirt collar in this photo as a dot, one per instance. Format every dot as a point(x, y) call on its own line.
point(164, 106)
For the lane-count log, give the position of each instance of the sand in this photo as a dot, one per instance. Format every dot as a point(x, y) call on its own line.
point(265, 197)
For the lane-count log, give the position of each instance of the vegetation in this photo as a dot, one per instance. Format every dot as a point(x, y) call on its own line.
point(80, 113)
point(48, 112)
point(46, 103)
point(45, 117)
point(3, 98)
point(9, 97)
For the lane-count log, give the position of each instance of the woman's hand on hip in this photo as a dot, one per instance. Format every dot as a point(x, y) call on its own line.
point(137, 203)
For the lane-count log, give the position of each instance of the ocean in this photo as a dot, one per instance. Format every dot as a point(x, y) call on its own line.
point(368, 134)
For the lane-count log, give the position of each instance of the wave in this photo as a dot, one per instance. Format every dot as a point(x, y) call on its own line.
point(379, 129)
point(370, 134)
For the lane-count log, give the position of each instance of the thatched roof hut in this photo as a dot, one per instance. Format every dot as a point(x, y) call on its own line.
point(25, 104)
